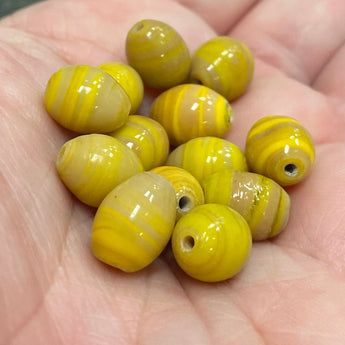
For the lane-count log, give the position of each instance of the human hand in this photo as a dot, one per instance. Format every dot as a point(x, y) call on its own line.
point(53, 291)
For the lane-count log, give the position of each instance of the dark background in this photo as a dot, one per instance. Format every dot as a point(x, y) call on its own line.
point(10, 6)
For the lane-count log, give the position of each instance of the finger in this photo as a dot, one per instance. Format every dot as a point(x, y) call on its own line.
point(297, 37)
point(221, 15)
point(331, 79)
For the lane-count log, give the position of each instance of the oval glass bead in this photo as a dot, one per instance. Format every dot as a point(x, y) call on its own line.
point(92, 165)
point(129, 79)
point(212, 242)
point(189, 111)
point(280, 147)
point(204, 156)
point(86, 99)
point(262, 202)
point(147, 138)
point(134, 222)
point(158, 53)
point(224, 64)
point(187, 188)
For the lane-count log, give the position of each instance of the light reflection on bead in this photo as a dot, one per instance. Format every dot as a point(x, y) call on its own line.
point(86, 99)
point(212, 242)
point(188, 111)
point(158, 53)
point(280, 147)
point(134, 222)
point(129, 79)
point(225, 65)
point(92, 165)
point(205, 155)
point(147, 138)
point(262, 202)
point(187, 188)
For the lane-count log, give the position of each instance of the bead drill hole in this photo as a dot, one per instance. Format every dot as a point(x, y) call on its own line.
point(291, 170)
point(139, 27)
point(188, 243)
point(185, 204)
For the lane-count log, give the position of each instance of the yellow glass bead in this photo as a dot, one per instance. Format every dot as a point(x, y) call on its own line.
point(86, 99)
point(129, 79)
point(189, 111)
point(134, 222)
point(92, 165)
point(262, 202)
point(147, 138)
point(212, 242)
point(205, 155)
point(280, 147)
point(224, 64)
point(158, 53)
point(187, 188)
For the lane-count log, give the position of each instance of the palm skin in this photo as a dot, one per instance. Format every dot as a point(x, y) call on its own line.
point(52, 291)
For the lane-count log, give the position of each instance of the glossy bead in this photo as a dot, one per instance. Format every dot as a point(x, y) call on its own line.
point(205, 155)
point(187, 188)
point(281, 148)
point(225, 65)
point(147, 138)
point(86, 99)
point(158, 53)
point(92, 165)
point(212, 242)
point(262, 202)
point(134, 222)
point(189, 111)
point(129, 79)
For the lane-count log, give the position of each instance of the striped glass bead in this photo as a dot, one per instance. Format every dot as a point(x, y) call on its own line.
point(281, 148)
point(188, 111)
point(187, 188)
point(91, 165)
point(158, 53)
point(129, 79)
point(212, 242)
point(86, 99)
point(147, 138)
point(223, 64)
point(205, 155)
point(262, 202)
point(134, 222)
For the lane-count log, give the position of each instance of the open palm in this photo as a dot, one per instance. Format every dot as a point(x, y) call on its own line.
point(52, 290)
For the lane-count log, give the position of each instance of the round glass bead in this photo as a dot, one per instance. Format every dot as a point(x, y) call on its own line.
point(187, 188)
point(86, 100)
point(280, 147)
point(205, 155)
point(262, 202)
point(189, 111)
point(158, 53)
point(225, 65)
point(92, 165)
point(212, 242)
point(134, 222)
point(129, 79)
point(147, 138)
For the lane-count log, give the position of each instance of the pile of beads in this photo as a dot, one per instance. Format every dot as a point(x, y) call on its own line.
point(200, 193)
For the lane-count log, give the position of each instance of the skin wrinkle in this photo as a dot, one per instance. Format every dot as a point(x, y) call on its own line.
point(198, 312)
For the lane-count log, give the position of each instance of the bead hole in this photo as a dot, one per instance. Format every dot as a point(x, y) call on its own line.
point(185, 204)
point(188, 243)
point(139, 27)
point(291, 170)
